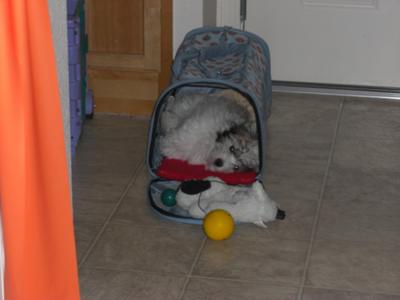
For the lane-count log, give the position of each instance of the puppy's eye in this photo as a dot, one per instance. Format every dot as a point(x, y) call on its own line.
point(218, 162)
point(232, 149)
point(235, 168)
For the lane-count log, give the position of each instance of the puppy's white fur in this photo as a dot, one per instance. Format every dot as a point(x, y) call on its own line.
point(245, 203)
point(190, 126)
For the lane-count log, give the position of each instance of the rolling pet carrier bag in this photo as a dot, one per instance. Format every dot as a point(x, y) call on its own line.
point(210, 60)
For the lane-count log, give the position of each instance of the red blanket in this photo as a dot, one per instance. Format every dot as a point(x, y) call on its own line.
point(174, 169)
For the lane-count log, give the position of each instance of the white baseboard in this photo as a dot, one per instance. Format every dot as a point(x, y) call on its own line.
point(387, 93)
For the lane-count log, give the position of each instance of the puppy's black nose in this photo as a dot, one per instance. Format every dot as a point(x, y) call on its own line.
point(218, 162)
point(280, 214)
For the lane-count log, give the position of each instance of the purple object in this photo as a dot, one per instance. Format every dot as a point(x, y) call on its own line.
point(74, 90)
point(89, 103)
point(74, 72)
point(75, 108)
point(73, 31)
point(76, 129)
point(76, 125)
point(71, 6)
point(76, 122)
point(73, 55)
point(77, 74)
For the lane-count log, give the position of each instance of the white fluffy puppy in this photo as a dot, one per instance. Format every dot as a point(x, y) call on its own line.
point(249, 204)
point(209, 129)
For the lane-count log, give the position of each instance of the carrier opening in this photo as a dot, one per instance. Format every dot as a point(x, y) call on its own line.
point(201, 131)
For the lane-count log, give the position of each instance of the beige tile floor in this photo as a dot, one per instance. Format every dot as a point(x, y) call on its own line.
point(333, 165)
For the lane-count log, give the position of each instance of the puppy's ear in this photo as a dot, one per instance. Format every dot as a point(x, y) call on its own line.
point(234, 129)
point(220, 137)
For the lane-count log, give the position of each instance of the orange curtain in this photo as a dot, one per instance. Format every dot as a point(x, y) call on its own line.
point(35, 200)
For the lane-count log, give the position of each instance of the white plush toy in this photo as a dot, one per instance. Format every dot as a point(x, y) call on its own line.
point(248, 203)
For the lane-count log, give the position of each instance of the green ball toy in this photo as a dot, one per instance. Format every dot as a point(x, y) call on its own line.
point(168, 197)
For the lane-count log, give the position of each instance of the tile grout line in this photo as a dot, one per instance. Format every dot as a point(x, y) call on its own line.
point(248, 281)
point(226, 279)
point(320, 200)
point(359, 291)
point(111, 214)
point(196, 259)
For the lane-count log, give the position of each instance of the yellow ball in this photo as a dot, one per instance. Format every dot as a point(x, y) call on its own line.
point(218, 225)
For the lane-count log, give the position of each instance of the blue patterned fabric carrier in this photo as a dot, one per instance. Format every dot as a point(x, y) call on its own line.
point(227, 56)
point(209, 60)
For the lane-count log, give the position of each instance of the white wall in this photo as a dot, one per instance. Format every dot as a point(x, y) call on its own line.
point(187, 15)
point(58, 15)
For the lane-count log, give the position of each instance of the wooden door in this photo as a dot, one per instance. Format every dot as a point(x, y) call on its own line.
point(130, 52)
